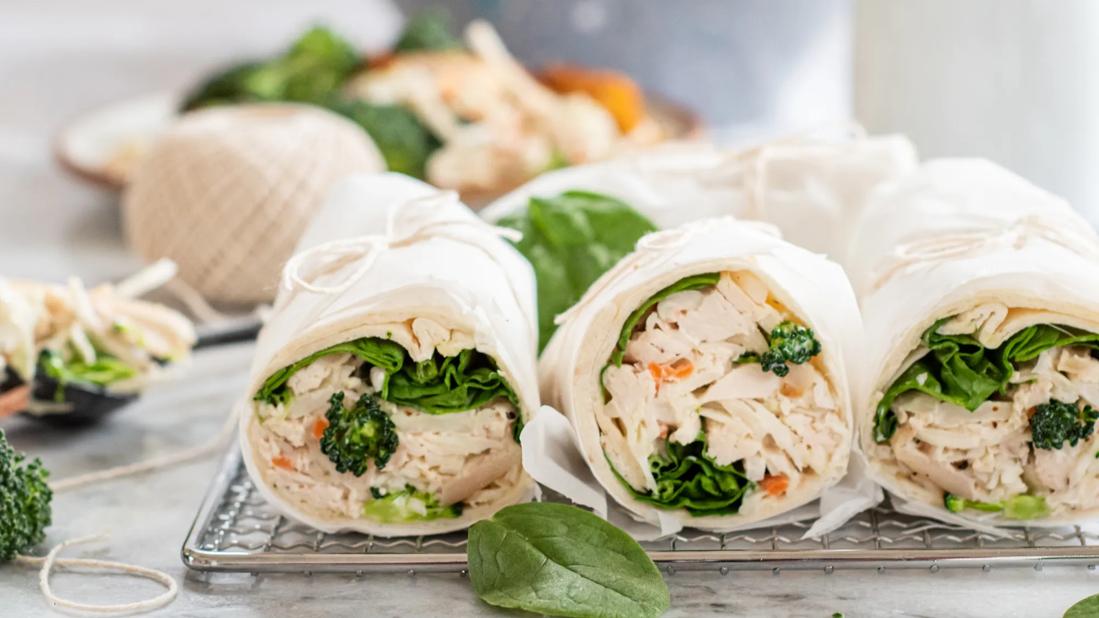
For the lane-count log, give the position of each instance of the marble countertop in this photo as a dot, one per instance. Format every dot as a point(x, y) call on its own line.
point(53, 59)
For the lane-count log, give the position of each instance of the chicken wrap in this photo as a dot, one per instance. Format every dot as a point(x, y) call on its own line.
point(100, 340)
point(391, 383)
point(980, 296)
point(706, 375)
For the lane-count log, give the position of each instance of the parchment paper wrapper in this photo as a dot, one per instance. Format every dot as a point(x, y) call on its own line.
point(956, 234)
point(387, 248)
point(564, 452)
point(810, 188)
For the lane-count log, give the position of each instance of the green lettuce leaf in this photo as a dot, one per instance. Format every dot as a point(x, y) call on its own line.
point(439, 385)
point(688, 478)
point(559, 560)
point(407, 505)
point(571, 240)
point(959, 370)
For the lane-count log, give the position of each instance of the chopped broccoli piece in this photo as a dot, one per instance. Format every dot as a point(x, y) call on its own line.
point(1057, 422)
point(404, 141)
point(1023, 506)
point(311, 71)
point(789, 343)
point(409, 504)
point(24, 501)
point(427, 30)
point(358, 434)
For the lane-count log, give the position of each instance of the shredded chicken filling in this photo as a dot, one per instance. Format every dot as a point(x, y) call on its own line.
point(987, 455)
point(468, 458)
point(681, 378)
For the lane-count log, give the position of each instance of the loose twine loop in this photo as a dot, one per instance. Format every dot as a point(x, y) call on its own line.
point(986, 235)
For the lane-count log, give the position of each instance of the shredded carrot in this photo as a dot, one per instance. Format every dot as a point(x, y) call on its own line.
point(319, 426)
point(775, 484)
point(616, 92)
point(282, 461)
point(678, 370)
point(790, 390)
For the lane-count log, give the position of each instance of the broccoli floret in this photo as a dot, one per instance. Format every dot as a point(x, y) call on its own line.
point(404, 141)
point(790, 343)
point(1023, 506)
point(1057, 422)
point(358, 434)
point(427, 30)
point(24, 501)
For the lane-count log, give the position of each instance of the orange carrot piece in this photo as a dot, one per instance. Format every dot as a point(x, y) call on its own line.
point(319, 426)
point(657, 372)
point(775, 484)
point(282, 461)
point(680, 369)
point(616, 92)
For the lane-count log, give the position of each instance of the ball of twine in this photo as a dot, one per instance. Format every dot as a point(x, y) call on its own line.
point(227, 192)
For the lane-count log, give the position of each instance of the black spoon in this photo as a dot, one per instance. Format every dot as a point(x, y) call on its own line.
point(88, 403)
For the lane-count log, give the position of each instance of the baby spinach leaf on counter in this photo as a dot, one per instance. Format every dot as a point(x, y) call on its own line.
point(404, 141)
point(311, 71)
point(1086, 608)
point(959, 370)
point(427, 30)
point(356, 435)
point(388, 355)
point(560, 560)
point(688, 478)
point(445, 384)
point(694, 282)
point(1056, 422)
point(571, 240)
point(24, 501)
point(407, 505)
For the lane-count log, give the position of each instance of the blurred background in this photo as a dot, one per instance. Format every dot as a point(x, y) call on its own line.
point(1010, 80)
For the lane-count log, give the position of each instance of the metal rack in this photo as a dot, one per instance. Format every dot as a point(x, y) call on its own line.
point(237, 531)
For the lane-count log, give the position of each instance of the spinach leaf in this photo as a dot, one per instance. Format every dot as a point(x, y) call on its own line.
point(445, 384)
point(438, 385)
point(1086, 608)
point(959, 370)
point(694, 282)
point(388, 355)
point(405, 143)
point(688, 478)
point(427, 30)
point(311, 71)
point(560, 560)
point(571, 240)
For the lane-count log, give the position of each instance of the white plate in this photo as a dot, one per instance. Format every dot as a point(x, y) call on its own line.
point(102, 145)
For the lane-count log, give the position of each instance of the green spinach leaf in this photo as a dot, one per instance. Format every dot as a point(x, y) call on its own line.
point(688, 478)
point(959, 370)
point(571, 240)
point(1086, 608)
point(439, 385)
point(560, 560)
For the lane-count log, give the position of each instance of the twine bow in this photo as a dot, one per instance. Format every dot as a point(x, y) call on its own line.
point(987, 236)
point(416, 221)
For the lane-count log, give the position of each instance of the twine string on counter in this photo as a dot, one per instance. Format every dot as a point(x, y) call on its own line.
point(47, 563)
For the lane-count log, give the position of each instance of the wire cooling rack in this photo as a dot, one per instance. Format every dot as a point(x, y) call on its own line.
point(237, 531)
